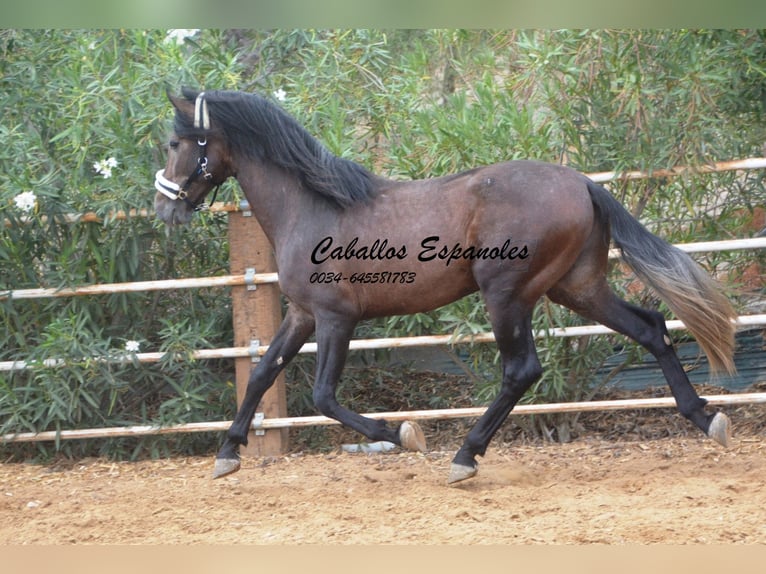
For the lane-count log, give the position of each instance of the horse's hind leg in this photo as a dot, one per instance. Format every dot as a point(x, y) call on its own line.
point(647, 328)
point(512, 326)
point(295, 329)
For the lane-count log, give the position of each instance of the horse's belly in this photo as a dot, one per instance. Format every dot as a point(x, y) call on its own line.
point(416, 290)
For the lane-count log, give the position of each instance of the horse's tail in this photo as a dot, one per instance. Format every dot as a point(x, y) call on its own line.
point(694, 296)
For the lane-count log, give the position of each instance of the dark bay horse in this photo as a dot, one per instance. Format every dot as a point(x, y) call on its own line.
point(351, 245)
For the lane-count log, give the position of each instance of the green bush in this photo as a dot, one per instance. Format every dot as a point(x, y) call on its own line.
point(84, 123)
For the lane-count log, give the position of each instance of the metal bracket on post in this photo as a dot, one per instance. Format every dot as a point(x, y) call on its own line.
point(253, 350)
point(244, 206)
point(250, 279)
point(258, 424)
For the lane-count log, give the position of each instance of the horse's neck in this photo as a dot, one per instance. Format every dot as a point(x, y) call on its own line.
point(277, 199)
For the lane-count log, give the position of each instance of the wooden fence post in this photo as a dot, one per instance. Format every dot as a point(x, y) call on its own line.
point(256, 315)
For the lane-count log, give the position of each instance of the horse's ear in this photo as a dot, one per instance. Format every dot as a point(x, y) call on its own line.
point(181, 104)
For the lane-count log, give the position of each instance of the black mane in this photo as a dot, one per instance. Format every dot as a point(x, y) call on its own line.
point(257, 128)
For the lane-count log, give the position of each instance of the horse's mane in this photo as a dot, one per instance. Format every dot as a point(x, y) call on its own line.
point(256, 128)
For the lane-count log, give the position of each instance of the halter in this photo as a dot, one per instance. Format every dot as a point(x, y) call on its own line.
point(174, 191)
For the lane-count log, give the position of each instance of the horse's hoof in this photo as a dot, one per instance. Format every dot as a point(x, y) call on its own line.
point(225, 466)
point(460, 472)
point(411, 436)
point(720, 429)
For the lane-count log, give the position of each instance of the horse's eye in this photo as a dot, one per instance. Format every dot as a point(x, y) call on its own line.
point(173, 144)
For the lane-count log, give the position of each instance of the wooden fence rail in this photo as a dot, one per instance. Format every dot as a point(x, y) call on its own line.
point(267, 278)
point(432, 414)
point(255, 351)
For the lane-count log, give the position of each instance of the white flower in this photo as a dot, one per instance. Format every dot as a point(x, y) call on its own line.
point(104, 167)
point(179, 35)
point(280, 94)
point(25, 201)
point(132, 346)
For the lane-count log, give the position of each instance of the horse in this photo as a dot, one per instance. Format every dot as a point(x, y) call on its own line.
point(352, 245)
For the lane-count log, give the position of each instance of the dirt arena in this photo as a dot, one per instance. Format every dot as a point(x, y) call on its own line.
point(680, 490)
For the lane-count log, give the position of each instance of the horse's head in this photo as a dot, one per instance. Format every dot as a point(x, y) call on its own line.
point(198, 161)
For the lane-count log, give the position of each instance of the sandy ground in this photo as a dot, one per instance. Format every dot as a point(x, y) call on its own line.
point(671, 490)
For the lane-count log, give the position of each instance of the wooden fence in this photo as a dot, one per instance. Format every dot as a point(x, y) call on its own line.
point(256, 312)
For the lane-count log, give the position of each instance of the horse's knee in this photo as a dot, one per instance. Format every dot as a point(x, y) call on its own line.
point(324, 399)
point(518, 376)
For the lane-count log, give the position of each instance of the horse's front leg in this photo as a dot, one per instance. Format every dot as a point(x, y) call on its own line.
point(295, 329)
point(333, 336)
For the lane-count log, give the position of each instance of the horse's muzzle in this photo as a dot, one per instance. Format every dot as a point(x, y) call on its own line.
point(172, 212)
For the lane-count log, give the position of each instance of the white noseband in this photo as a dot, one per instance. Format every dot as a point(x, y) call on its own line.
point(166, 187)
